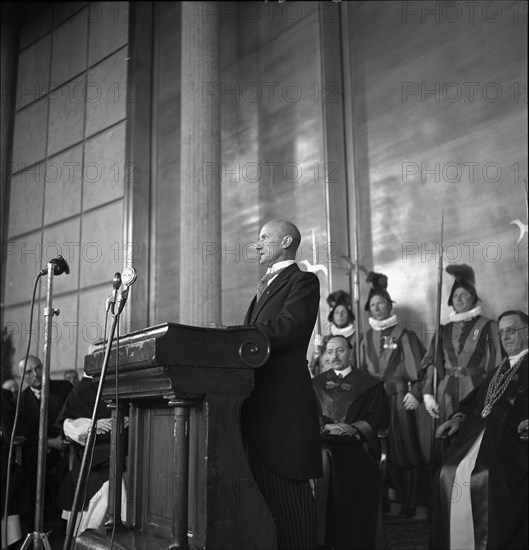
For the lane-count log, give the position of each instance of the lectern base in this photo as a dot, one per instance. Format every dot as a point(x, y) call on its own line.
point(130, 540)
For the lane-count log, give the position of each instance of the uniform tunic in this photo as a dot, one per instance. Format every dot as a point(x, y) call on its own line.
point(470, 349)
point(393, 355)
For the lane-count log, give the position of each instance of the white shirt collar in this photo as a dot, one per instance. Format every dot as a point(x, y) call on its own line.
point(343, 373)
point(515, 358)
point(36, 392)
point(280, 265)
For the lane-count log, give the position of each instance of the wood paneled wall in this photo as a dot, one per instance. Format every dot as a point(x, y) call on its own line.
point(430, 113)
point(68, 172)
point(440, 104)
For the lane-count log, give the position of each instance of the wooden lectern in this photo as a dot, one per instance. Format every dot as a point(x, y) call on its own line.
point(188, 482)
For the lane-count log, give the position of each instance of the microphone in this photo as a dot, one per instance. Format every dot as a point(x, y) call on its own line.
point(116, 283)
point(128, 277)
point(60, 266)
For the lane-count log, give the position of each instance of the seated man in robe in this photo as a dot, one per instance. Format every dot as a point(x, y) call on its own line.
point(353, 408)
point(75, 419)
point(481, 490)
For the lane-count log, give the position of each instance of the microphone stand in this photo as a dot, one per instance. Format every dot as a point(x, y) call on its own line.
point(92, 430)
point(39, 538)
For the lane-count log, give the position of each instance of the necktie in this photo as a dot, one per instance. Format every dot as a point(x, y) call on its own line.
point(263, 283)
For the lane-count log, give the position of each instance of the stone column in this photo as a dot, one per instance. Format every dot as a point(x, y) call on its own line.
point(200, 230)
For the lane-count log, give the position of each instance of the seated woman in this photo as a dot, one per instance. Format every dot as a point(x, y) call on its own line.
point(341, 316)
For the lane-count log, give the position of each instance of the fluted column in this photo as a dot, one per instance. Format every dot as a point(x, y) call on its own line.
point(200, 248)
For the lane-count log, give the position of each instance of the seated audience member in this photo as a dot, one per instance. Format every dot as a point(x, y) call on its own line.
point(12, 386)
point(353, 408)
point(393, 354)
point(18, 495)
point(75, 419)
point(341, 317)
point(28, 427)
point(480, 492)
point(341, 322)
point(72, 376)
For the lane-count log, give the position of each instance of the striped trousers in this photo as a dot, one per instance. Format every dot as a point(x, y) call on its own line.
point(292, 505)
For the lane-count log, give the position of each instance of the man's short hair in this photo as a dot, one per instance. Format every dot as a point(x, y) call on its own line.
point(70, 371)
point(333, 336)
point(523, 316)
point(288, 228)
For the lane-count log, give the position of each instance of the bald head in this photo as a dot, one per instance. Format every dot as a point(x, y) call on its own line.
point(288, 229)
point(33, 376)
point(278, 241)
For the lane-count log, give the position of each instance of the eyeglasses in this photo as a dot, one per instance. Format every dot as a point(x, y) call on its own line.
point(509, 331)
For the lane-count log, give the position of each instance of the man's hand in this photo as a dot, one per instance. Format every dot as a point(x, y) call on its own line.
point(523, 429)
point(450, 427)
point(57, 443)
point(431, 406)
point(103, 425)
point(410, 402)
point(340, 428)
point(318, 346)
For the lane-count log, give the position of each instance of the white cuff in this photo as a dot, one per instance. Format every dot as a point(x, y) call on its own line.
point(429, 401)
point(77, 430)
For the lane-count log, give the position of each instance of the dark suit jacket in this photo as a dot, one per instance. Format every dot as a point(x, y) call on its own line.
point(280, 418)
point(30, 415)
point(19, 498)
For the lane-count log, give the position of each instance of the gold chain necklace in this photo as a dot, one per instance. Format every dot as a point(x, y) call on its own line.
point(499, 384)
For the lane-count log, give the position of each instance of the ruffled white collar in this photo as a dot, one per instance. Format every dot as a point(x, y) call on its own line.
point(466, 315)
point(347, 331)
point(384, 324)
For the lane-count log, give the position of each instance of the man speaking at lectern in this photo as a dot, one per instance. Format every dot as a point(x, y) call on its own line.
point(280, 417)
